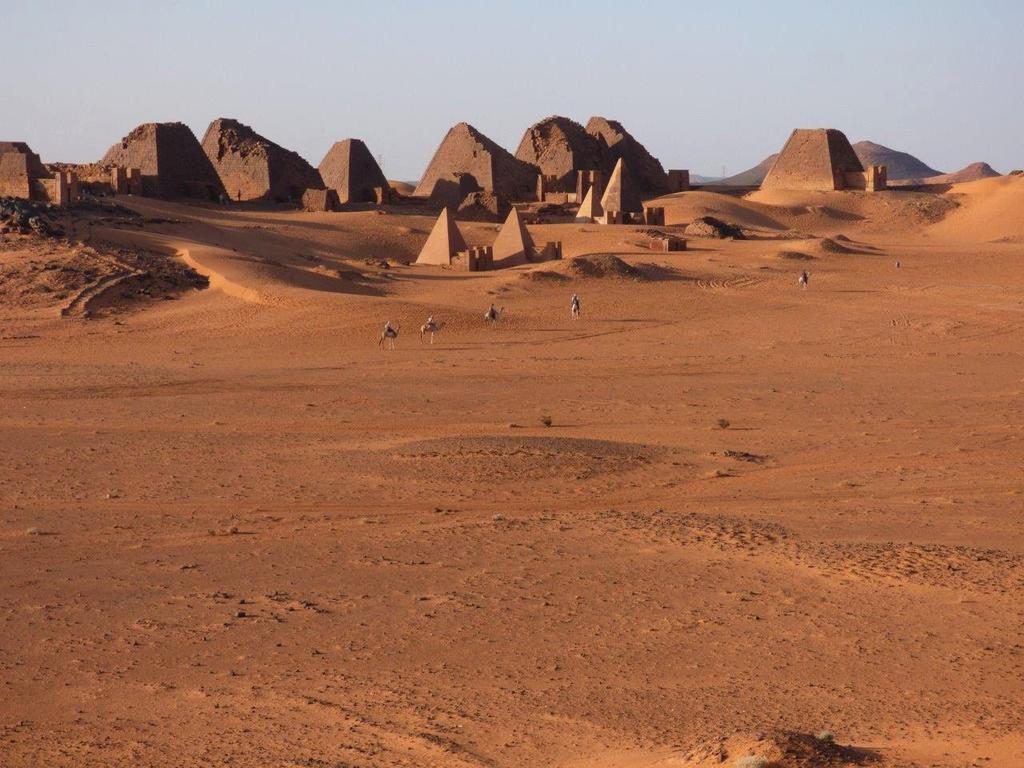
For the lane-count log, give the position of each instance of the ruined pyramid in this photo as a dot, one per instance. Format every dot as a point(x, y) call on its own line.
point(467, 161)
point(616, 143)
point(817, 159)
point(252, 167)
point(560, 147)
point(621, 194)
point(444, 241)
point(351, 170)
point(513, 244)
point(171, 159)
point(590, 211)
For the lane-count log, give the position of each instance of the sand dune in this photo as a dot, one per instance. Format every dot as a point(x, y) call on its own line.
point(711, 519)
point(989, 211)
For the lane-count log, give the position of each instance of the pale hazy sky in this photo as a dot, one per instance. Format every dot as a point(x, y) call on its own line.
point(703, 85)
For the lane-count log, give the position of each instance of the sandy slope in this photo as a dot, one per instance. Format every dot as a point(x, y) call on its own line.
point(990, 210)
point(236, 531)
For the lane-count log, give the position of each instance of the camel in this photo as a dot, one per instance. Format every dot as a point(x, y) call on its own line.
point(493, 314)
point(431, 327)
point(390, 333)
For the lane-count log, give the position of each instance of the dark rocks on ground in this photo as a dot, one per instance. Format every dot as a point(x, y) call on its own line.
point(483, 206)
point(709, 226)
point(26, 216)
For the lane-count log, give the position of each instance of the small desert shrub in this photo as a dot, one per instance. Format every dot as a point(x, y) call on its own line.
point(825, 737)
point(546, 420)
point(752, 761)
point(723, 423)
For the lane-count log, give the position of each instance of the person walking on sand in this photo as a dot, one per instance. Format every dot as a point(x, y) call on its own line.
point(575, 306)
point(804, 279)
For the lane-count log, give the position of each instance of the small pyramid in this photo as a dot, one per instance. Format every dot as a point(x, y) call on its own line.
point(620, 194)
point(513, 245)
point(444, 242)
point(350, 168)
point(590, 211)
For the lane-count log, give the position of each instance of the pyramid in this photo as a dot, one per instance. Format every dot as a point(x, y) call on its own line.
point(591, 209)
point(620, 194)
point(467, 161)
point(616, 143)
point(444, 242)
point(513, 244)
point(817, 159)
point(252, 167)
point(560, 147)
point(351, 170)
point(171, 159)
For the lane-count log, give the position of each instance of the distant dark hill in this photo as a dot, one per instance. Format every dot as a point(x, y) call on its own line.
point(973, 172)
point(900, 165)
point(753, 176)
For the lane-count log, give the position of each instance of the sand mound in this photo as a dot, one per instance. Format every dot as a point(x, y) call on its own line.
point(793, 256)
point(601, 265)
point(826, 213)
point(519, 458)
point(778, 749)
point(989, 211)
point(684, 207)
point(828, 245)
point(709, 226)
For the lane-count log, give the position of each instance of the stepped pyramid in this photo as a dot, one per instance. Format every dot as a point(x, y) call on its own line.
point(590, 211)
point(350, 169)
point(444, 242)
point(817, 158)
point(466, 162)
point(252, 167)
point(171, 160)
point(513, 244)
point(620, 194)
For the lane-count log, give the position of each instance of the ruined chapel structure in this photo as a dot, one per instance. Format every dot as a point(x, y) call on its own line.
point(22, 174)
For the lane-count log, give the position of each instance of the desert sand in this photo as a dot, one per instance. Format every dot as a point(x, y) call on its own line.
point(236, 531)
